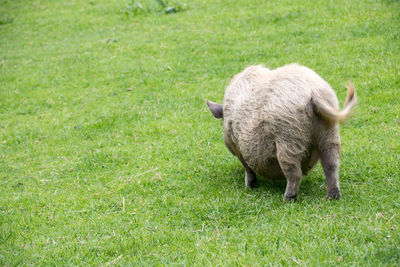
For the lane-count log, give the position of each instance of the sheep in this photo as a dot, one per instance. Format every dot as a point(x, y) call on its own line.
point(280, 122)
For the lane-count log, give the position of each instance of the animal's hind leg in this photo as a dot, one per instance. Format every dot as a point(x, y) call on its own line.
point(250, 177)
point(293, 176)
point(330, 163)
point(292, 171)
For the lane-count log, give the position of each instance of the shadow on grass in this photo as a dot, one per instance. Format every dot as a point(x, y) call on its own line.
point(224, 201)
point(312, 185)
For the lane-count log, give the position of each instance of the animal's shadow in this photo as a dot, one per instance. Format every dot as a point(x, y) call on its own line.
point(312, 185)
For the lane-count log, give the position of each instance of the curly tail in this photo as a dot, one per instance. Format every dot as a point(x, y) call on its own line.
point(331, 114)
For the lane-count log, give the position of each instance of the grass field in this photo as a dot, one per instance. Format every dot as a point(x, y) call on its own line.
point(109, 156)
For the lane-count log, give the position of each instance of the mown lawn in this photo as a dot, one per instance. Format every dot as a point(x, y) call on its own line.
point(108, 154)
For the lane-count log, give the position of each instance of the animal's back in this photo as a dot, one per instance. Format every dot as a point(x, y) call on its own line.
point(266, 109)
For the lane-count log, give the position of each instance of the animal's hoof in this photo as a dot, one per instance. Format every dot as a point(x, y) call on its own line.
point(252, 185)
point(334, 193)
point(250, 180)
point(289, 198)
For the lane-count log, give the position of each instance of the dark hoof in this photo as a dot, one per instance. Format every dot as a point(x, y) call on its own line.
point(334, 193)
point(253, 184)
point(290, 198)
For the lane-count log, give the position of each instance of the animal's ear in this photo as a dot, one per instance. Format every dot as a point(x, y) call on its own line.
point(216, 109)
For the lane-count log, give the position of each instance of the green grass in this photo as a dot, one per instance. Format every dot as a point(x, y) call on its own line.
point(108, 154)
